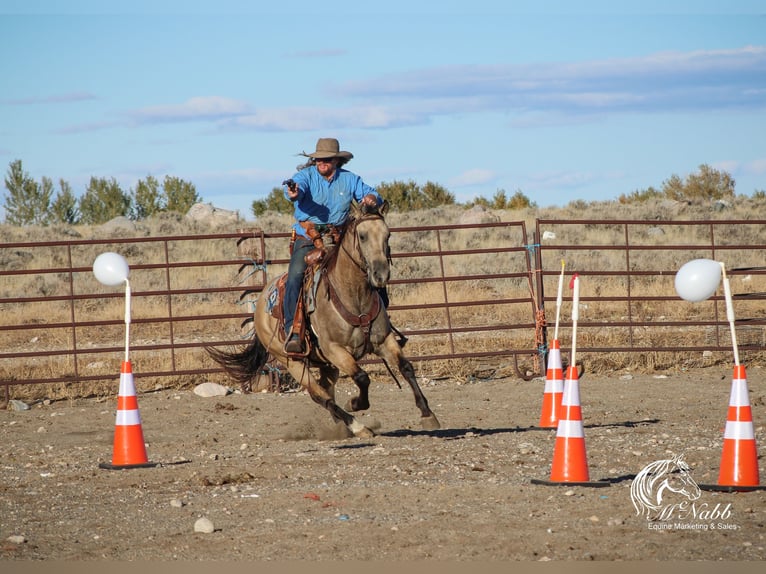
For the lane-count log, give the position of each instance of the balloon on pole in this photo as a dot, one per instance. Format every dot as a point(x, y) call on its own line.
point(698, 280)
point(112, 269)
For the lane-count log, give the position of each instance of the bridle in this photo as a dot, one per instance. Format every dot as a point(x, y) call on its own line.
point(351, 227)
point(364, 320)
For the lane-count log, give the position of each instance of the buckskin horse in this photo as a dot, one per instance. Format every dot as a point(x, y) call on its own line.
point(348, 321)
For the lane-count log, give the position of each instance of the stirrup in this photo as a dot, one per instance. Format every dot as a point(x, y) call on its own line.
point(294, 345)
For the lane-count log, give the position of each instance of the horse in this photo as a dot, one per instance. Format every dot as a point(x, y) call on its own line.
point(649, 486)
point(348, 321)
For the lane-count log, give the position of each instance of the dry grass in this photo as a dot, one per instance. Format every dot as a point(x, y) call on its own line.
point(594, 292)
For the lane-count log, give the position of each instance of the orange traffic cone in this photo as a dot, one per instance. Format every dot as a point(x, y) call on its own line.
point(129, 448)
point(554, 388)
point(570, 463)
point(739, 459)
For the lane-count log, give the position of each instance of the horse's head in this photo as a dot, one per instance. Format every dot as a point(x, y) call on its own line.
point(371, 235)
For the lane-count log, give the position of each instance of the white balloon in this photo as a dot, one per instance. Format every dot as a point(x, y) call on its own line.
point(110, 268)
point(698, 279)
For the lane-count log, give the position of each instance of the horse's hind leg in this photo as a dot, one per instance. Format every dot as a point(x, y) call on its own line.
point(323, 396)
point(391, 352)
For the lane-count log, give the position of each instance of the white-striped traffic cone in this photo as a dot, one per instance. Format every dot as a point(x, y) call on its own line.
point(739, 459)
point(129, 449)
point(554, 388)
point(570, 462)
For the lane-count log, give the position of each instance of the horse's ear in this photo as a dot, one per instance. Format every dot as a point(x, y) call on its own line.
point(356, 211)
point(383, 209)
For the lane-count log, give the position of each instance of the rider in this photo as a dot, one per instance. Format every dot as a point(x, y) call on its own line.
point(321, 192)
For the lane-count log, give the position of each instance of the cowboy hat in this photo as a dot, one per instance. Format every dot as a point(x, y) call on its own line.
point(328, 147)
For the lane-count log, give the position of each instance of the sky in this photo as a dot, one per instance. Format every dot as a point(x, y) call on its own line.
point(559, 100)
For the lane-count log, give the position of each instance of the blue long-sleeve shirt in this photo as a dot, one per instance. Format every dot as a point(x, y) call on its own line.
point(327, 202)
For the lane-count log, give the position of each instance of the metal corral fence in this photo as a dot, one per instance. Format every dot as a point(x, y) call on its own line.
point(460, 293)
point(627, 289)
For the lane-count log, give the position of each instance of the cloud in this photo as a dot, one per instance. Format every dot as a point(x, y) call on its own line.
point(704, 80)
point(306, 119)
point(311, 54)
point(756, 167)
point(531, 95)
point(87, 127)
point(472, 177)
point(52, 99)
point(568, 179)
point(203, 108)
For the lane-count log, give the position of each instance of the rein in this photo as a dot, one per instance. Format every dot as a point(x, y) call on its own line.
point(364, 320)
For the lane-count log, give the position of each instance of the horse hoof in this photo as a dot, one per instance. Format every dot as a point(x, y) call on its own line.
point(354, 405)
point(430, 422)
point(364, 433)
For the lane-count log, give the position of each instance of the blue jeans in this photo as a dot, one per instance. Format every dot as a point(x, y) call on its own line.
point(295, 272)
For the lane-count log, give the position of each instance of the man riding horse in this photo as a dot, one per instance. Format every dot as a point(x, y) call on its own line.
point(347, 302)
point(321, 192)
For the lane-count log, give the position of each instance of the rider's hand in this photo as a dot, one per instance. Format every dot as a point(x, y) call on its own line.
point(292, 189)
point(370, 200)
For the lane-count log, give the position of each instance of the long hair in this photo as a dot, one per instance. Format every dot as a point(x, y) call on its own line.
point(311, 161)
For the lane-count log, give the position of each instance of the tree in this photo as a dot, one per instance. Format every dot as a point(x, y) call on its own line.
point(707, 183)
point(500, 201)
point(405, 196)
point(64, 207)
point(519, 201)
point(436, 195)
point(103, 200)
point(27, 202)
point(401, 196)
point(639, 196)
point(147, 199)
point(179, 195)
point(275, 201)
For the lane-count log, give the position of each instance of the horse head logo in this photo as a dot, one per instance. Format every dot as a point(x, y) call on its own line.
point(658, 479)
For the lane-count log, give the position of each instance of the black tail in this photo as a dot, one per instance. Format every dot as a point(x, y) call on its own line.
point(242, 366)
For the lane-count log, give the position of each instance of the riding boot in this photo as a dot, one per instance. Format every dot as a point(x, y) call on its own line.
point(291, 309)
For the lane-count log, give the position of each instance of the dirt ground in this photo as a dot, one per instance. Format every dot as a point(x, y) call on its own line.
point(277, 484)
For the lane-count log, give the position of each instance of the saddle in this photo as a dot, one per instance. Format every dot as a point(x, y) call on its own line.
point(318, 261)
point(324, 238)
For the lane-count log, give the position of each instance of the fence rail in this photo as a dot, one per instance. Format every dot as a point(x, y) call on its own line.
point(459, 292)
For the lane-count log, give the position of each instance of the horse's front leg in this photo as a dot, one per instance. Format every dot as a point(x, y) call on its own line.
point(323, 395)
point(347, 363)
point(391, 352)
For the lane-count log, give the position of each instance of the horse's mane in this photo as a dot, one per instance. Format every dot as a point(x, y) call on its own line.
point(349, 226)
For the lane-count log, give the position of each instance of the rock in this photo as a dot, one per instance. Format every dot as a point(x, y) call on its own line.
point(207, 213)
point(121, 226)
point(204, 525)
point(16, 405)
point(548, 235)
point(211, 390)
point(17, 539)
point(477, 214)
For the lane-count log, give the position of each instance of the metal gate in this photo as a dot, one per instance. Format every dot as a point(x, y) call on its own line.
point(461, 293)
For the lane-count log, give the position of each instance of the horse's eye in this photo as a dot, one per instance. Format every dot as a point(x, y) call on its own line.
point(362, 237)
